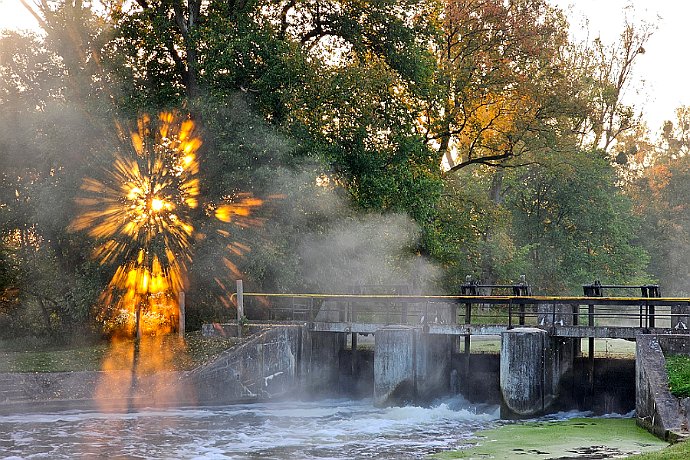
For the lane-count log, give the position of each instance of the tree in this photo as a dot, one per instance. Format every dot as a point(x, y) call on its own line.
point(472, 235)
point(660, 192)
point(576, 224)
point(603, 73)
point(675, 137)
point(500, 84)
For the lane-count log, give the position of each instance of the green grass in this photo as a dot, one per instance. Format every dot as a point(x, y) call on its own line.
point(580, 437)
point(195, 350)
point(678, 369)
point(485, 344)
point(498, 315)
point(680, 451)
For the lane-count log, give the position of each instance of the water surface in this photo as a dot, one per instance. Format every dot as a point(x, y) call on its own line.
point(299, 430)
point(326, 429)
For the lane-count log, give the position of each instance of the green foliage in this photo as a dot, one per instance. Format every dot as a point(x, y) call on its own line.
point(678, 369)
point(340, 108)
point(577, 224)
point(474, 235)
point(399, 179)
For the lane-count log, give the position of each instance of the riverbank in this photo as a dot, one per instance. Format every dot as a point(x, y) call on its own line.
point(574, 438)
point(26, 356)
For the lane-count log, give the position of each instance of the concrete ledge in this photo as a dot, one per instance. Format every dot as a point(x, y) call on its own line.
point(566, 331)
point(100, 388)
point(231, 329)
point(656, 408)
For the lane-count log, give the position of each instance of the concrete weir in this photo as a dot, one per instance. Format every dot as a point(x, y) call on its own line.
point(531, 367)
point(409, 365)
point(281, 361)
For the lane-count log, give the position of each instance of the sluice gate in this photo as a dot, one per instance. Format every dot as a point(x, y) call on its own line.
point(416, 336)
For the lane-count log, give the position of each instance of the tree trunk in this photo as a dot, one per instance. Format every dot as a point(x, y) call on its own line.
point(489, 273)
point(45, 314)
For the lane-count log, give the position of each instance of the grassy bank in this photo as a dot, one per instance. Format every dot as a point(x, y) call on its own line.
point(680, 451)
point(678, 368)
point(18, 356)
point(575, 438)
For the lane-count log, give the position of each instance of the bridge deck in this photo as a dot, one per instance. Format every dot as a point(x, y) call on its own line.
point(610, 332)
point(576, 317)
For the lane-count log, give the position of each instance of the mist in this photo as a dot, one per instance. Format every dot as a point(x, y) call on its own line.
point(338, 249)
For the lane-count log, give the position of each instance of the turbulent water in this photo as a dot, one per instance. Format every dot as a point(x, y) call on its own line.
point(295, 430)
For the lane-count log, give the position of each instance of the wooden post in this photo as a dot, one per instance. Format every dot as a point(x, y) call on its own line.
point(355, 357)
point(240, 307)
point(181, 305)
point(137, 324)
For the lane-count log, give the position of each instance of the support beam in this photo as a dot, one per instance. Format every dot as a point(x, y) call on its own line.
point(182, 308)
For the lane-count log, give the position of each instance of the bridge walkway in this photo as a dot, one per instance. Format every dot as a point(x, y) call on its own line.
point(572, 317)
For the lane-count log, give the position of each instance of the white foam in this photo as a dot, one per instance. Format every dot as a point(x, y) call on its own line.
point(321, 429)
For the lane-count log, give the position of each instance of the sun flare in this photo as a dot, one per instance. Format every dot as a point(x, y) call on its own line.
point(139, 211)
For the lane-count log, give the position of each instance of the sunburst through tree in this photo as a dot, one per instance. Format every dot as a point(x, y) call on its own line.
point(140, 212)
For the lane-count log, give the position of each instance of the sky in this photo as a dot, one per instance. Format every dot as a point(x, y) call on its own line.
point(661, 76)
point(663, 72)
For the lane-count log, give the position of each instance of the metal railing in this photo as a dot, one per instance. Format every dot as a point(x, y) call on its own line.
point(641, 313)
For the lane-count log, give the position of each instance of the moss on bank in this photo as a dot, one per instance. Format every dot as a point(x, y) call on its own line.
point(680, 451)
point(574, 438)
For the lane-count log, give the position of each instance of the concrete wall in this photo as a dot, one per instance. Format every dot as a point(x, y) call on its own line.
point(479, 382)
point(319, 362)
point(118, 390)
point(656, 408)
point(263, 366)
point(286, 360)
point(26, 387)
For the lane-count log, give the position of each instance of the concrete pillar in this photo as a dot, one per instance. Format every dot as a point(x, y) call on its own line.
point(320, 360)
point(394, 365)
point(680, 317)
point(554, 314)
point(527, 374)
point(410, 365)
